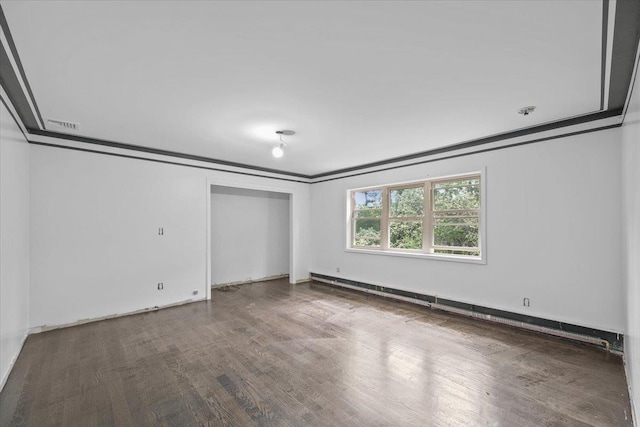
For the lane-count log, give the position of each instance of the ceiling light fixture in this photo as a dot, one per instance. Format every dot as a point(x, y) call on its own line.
point(525, 111)
point(279, 150)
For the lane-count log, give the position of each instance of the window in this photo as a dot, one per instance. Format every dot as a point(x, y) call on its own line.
point(435, 217)
point(367, 218)
point(455, 213)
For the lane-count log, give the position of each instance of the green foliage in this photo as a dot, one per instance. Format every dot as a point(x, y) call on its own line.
point(368, 205)
point(367, 232)
point(456, 195)
point(405, 234)
point(458, 235)
point(406, 203)
point(456, 222)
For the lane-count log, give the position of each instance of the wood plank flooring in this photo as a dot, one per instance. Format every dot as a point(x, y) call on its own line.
point(275, 354)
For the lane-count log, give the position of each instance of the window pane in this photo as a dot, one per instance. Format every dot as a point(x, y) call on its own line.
point(457, 183)
point(464, 218)
point(366, 232)
point(368, 213)
point(372, 243)
point(463, 194)
point(406, 202)
point(456, 235)
point(405, 234)
point(371, 199)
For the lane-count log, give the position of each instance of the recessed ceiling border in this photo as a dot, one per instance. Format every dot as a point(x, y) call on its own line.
point(604, 73)
point(469, 153)
point(166, 162)
point(11, 85)
point(599, 115)
point(161, 152)
point(626, 35)
point(8, 39)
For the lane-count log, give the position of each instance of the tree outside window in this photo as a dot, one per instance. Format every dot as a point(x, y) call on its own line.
point(432, 217)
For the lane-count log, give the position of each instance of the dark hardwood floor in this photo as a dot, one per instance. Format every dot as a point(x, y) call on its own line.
point(275, 354)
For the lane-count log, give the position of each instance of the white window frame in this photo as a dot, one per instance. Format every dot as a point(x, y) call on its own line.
point(428, 248)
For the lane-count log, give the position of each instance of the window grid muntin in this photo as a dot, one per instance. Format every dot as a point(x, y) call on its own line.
point(429, 217)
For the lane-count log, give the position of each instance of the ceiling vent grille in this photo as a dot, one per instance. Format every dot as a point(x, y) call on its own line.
point(61, 125)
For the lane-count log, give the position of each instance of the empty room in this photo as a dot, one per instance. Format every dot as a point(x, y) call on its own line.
point(319, 213)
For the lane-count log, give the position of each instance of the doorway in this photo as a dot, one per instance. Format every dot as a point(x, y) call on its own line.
point(249, 235)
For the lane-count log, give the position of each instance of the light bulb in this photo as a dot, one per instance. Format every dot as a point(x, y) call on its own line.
point(277, 152)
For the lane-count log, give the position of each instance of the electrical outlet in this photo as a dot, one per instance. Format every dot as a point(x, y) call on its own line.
point(160, 286)
point(526, 302)
point(195, 292)
point(337, 269)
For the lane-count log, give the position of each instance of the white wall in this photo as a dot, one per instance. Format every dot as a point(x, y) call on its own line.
point(553, 233)
point(249, 234)
point(631, 241)
point(95, 249)
point(14, 241)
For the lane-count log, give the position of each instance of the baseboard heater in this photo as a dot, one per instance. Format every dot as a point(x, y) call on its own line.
point(608, 340)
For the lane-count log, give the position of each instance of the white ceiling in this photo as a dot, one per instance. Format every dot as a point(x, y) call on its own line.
point(358, 81)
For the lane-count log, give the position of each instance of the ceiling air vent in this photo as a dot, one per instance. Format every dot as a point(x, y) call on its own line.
point(61, 125)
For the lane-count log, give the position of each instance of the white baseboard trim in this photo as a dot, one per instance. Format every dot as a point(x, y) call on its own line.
point(244, 282)
point(45, 328)
point(13, 361)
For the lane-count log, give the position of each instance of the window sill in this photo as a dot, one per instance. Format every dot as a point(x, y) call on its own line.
point(439, 257)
